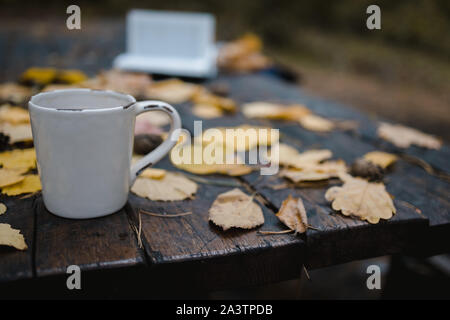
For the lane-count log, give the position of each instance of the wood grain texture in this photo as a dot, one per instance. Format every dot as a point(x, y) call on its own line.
point(15, 264)
point(201, 254)
point(100, 243)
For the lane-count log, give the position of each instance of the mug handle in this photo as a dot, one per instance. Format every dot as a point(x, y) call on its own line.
point(157, 154)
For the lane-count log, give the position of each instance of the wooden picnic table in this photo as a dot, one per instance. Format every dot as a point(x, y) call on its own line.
point(191, 253)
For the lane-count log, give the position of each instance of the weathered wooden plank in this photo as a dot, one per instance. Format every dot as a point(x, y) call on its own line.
point(15, 264)
point(193, 248)
point(389, 237)
point(100, 243)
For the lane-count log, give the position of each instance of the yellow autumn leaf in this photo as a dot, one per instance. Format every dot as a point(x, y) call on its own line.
point(14, 115)
point(235, 209)
point(266, 110)
point(293, 214)
point(11, 237)
point(40, 76)
point(286, 155)
point(206, 98)
point(17, 133)
point(153, 173)
point(380, 158)
point(30, 184)
point(361, 198)
point(11, 176)
point(207, 111)
point(18, 159)
point(171, 187)
point(316, 123)
point(403, 136)
point(71, 76)
point(3, 208)
point(172, 90)
point(14, 93)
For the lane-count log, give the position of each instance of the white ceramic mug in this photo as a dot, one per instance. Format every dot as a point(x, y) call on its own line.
point(84, 142)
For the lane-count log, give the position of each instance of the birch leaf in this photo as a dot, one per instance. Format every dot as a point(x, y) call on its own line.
point(380, 158)
point(316, 123)
point(171, 187)
point(403, 136)
point(10, 176)
point(30, 184)
point(266, 110)
point(293, 214)
point(14, 93)
point(17, 133)
point(18, 159)
point(235, 209)
point(13, 115)
point(11, 237)
point(207, 111)
point(172, 90)
point(3, 208)
point(360, 198)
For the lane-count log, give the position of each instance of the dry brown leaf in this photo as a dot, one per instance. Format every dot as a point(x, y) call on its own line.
point(235, 209)
point(360, 198)
point(243, 54)
point(11, 237)
point(380, 158)
point(30, 184)
point(14, 93)
point(17, 133)
point(13, 115)
point(403, 136)
point(293, 214)
point(207, 111)
point(266, 110)
point(10, 176)
point(300, 175)
point(172, 187)
point(316, 123)
point(18, 159)
point(3, 208)
point(206, 98)
point(135, 84)
point(289, 156)
point(172, 90)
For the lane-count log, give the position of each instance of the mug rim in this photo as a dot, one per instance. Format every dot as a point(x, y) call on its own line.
point(35, 104)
